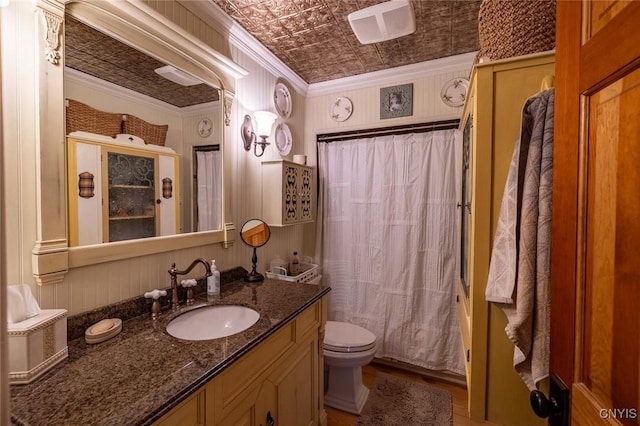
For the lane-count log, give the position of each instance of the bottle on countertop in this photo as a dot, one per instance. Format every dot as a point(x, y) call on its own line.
point(294, 265)
point(213, 282)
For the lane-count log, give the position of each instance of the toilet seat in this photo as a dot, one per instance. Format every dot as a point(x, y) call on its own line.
point(345, 337)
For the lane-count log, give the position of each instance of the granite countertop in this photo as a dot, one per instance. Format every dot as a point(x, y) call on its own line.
point(143, 372)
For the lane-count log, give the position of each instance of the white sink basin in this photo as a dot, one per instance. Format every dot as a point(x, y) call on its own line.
point(212, 322)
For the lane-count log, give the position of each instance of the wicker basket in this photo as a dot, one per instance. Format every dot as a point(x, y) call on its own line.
point(508, 28)
point(151, 133)
point(81, 117)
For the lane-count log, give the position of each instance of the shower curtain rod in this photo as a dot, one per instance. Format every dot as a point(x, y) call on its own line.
point(384, 131)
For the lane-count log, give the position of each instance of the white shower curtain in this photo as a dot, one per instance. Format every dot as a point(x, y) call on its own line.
point(387, 232)
point(209, 176)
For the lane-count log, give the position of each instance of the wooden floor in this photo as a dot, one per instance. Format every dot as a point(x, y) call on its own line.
point(369, 373)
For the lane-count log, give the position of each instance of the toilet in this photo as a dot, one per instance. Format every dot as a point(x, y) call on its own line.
point(347, 347)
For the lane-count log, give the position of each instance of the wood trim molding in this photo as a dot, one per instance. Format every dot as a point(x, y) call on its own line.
point(565, 181)
point(620, 51)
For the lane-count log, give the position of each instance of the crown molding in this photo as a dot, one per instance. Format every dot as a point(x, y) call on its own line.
point(215, 17)
point(394, 75)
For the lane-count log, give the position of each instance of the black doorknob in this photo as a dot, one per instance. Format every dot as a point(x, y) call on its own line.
point(542, 406)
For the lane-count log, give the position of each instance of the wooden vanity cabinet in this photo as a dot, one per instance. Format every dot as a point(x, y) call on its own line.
point(189, 412)
point(280, 380)
point(286, 193)
point(491, 122)
point(119, 192)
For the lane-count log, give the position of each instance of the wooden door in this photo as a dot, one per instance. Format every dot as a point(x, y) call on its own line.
point(595, 267)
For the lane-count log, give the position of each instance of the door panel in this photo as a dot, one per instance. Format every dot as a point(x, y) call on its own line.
point(602, 11)
point(612, 273)
point(595, 286)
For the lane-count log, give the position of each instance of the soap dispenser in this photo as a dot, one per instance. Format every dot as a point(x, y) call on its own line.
point(213, 282)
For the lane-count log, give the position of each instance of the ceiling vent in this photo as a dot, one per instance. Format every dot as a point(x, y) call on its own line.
point(177, 76)
point(384, 21)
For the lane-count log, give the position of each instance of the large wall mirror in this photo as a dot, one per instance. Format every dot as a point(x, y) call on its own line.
point(107, 80)
point(110, 62)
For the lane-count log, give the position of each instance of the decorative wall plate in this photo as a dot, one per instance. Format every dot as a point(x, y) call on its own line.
point(341, 109)
point(205, 127)
point(282, 100)
point(283, 139)
point(454, 92)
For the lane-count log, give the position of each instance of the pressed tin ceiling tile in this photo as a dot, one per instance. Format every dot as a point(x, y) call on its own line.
point(314, 38)
point(98, 55)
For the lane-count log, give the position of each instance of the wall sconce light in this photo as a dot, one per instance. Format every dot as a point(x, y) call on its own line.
point(265, 121)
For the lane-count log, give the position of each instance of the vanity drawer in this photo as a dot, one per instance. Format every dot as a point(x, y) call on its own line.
point(243, 373)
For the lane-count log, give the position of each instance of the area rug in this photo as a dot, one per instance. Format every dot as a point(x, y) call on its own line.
point(394, 401)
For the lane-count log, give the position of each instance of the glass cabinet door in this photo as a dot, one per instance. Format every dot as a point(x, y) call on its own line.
point(465, 208)
point(132, 197)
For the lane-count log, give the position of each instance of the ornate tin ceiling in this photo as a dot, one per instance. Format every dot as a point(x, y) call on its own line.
point(314, 38)
point(101, 56)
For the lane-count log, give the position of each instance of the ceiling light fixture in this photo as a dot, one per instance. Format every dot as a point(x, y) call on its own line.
point(171, 73)
point(384, 21)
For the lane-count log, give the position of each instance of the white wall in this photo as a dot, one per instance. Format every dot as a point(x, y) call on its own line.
point(364, 91)
point(11, 247)
point(4, 338)
point(19, 155)
point(255, 92)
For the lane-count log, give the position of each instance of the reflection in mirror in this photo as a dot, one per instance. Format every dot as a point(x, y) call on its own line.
point(255, 233)
point(109, 76)
point(207, 171)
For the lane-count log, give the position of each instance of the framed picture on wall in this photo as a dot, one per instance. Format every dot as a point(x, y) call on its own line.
point(396, 101)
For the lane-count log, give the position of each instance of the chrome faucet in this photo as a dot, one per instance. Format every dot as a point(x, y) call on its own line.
point(174, 272)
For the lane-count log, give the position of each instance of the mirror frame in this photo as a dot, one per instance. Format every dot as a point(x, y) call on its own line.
point(138, 25)
point(243, 230)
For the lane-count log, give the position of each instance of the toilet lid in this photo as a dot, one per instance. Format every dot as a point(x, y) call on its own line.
point(345, 337)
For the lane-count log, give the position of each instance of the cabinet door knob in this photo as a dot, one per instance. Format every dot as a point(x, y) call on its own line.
point(158, 201)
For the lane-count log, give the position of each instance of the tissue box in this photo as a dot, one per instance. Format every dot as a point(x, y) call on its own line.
point(37, 344)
